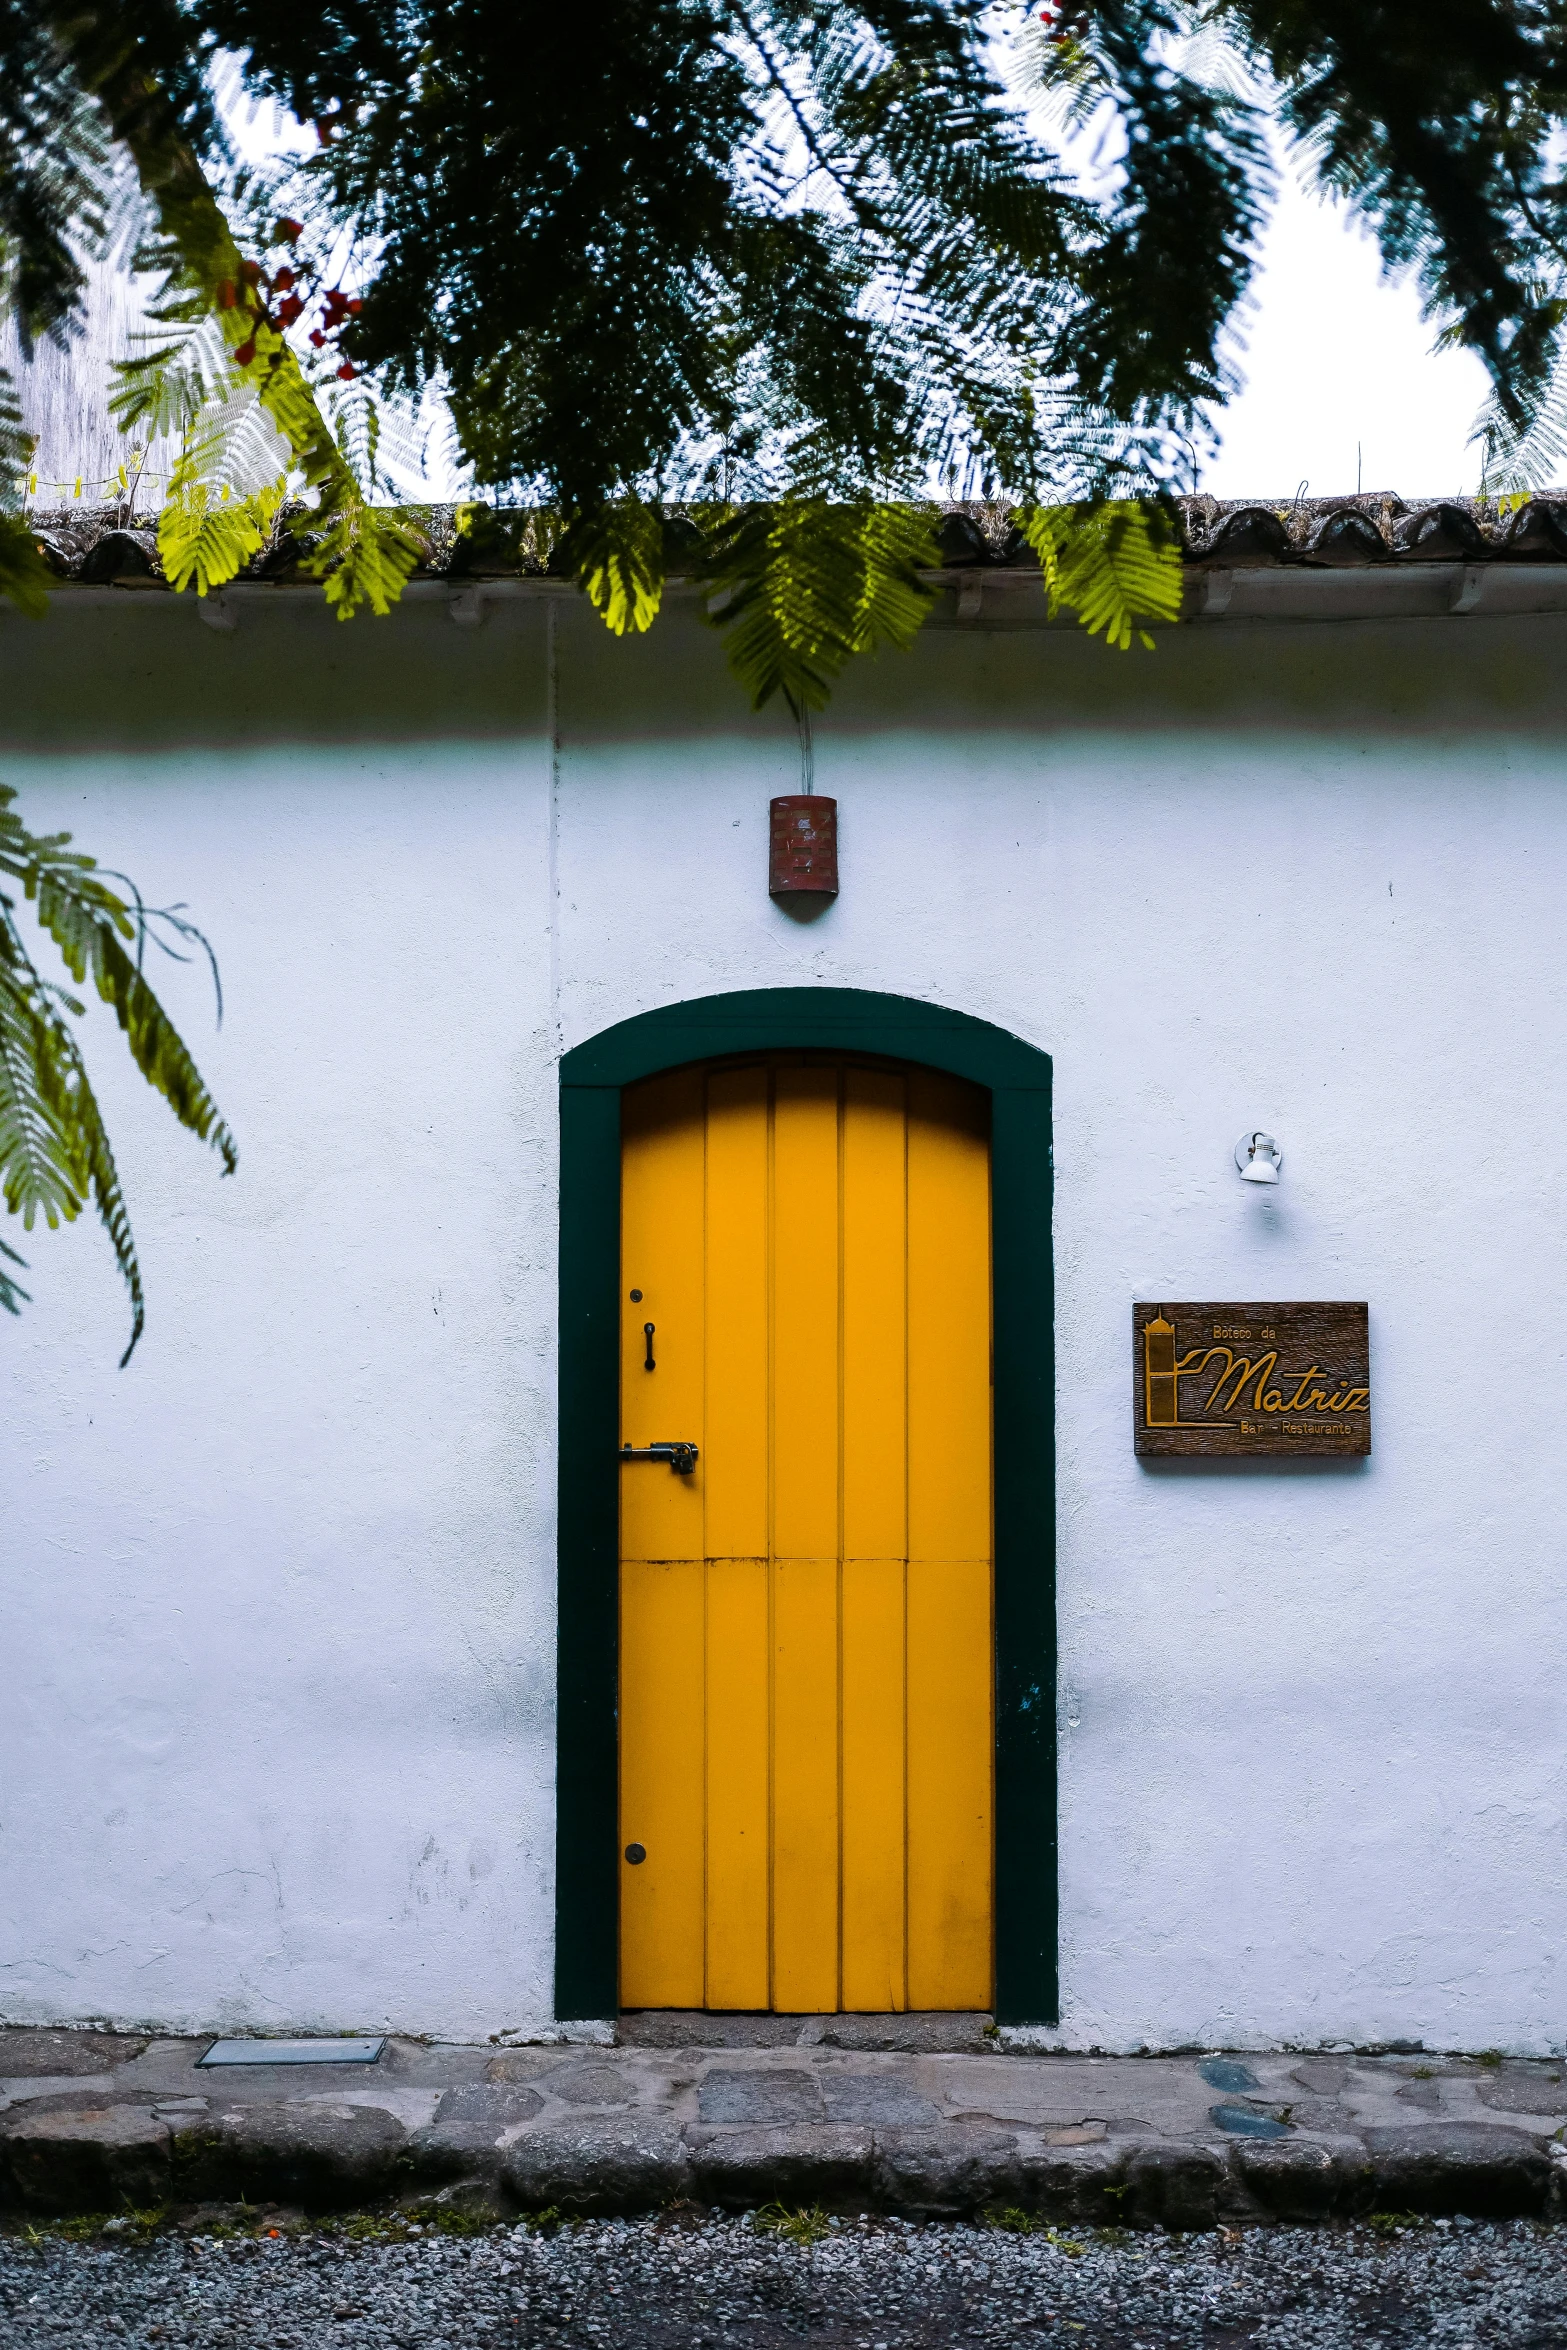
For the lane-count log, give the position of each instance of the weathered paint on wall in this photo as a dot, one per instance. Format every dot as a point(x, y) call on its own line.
point(279, 1745)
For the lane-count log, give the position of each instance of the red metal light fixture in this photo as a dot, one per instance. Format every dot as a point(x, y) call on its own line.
point(803, 846)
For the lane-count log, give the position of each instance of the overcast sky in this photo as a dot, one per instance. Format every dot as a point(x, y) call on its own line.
point(1337, 360)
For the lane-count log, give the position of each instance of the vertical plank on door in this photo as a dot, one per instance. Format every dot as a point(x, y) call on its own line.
point(736, 1540)
point(806, 1519)
point(735, 1482)
point(661, 1255)
point(949, 1320)
point(805, 1313)
point(661, 1716)
point(661, 1778)
point(949, 1590)
point(738, 1747)
point(951, 1858)
point(874, 1540)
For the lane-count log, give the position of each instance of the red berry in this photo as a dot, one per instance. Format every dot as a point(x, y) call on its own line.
point(347, 372)
point(226, 294)
point(246, 352)
point(288, 311)
point(287, 230)
point(317, 337)
point(354, 307)
point(250, 271)
point(283, 280)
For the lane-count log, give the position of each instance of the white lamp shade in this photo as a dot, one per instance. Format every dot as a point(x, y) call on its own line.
point(1259, 1158)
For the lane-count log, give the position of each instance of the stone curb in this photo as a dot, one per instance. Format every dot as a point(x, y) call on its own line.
point(943, 2127)
point(327, 2157)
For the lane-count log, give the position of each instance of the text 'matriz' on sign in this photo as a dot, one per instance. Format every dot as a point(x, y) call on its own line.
point(1222, 1381)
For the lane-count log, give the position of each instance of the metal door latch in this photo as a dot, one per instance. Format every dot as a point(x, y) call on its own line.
point(682, 1458)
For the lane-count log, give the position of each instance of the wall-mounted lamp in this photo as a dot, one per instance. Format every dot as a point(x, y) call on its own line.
point(1259, 1158)
point(802, 852)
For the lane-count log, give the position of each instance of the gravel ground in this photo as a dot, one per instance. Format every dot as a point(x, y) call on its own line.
point(687, 2279)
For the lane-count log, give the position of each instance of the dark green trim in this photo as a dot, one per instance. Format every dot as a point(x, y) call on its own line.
point(847, 1020)
point(1023, 1306)
point(587, 1876)
point(828, 1019)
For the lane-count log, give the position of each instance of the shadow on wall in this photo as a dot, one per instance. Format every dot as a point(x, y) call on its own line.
point(804, 905)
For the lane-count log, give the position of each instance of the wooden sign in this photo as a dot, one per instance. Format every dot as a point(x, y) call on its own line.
point(1227, 1382)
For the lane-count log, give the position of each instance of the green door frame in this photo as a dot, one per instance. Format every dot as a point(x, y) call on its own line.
point(1017, 1076)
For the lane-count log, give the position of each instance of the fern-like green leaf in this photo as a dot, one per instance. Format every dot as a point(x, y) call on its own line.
point(896, 543)
point(1526, 453)
point(91, 926)
point(294, 409)
point(54, 1147)
point(1116, 565)
point(17, 443)
point(205, 541)
point(804, 584)
point(43, 1170)
point(618, 553)
point(365, 553)
point(24, 575)
point(170, 376)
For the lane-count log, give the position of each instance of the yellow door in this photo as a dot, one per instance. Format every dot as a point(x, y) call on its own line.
point(805, 1619)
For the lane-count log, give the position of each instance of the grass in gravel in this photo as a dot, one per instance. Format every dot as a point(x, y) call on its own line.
point(457, 2223)
point(1014, 2222)
point(371, 2227)
point(359, 2227)
point(804, 2227)
point(128, 2227)
point(401, 2227)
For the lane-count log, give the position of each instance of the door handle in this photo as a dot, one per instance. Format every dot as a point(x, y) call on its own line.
point(682, 1458)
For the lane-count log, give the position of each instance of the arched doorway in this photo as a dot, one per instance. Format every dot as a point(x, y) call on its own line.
point(1005, 1086)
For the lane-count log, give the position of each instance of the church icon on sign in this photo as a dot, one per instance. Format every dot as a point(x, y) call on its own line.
point(1159, 1373)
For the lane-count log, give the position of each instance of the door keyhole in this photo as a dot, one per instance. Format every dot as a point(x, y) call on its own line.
point(647, 1332)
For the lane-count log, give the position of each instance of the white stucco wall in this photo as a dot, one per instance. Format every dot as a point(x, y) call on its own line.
point(278, 1744)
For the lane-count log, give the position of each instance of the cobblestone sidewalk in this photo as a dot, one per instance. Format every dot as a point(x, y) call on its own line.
point(736, 2113)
